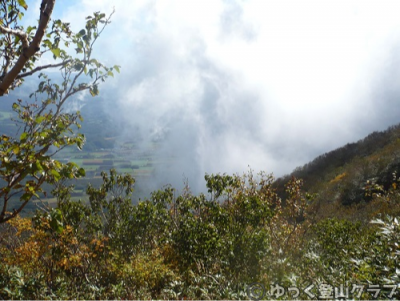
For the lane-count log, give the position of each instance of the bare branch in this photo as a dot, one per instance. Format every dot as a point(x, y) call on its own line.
point(43, 67)
point(19, 33)
point(4, 217)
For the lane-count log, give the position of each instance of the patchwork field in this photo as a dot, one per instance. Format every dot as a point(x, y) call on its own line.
point(104, 149)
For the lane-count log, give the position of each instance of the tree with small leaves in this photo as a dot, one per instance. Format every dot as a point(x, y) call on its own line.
point(43, 128)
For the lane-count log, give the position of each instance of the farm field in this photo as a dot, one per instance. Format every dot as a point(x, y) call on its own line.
point(104, 149)
point(133, 162)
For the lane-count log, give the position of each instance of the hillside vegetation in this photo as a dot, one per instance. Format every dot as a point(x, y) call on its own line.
point(345, 180)
point(240, 241)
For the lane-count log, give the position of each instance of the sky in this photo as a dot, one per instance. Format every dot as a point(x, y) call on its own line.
point(228, 85)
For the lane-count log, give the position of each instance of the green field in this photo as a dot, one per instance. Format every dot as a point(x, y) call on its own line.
point(103, 150)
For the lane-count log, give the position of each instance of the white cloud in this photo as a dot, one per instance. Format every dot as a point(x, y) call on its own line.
point(268, 84)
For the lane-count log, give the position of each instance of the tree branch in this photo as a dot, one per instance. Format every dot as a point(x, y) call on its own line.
point(41, 68)
point(46, 10)
point(3, 216)
point(19, 33)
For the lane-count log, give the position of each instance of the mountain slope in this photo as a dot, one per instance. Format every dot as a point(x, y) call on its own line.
point(351, 175)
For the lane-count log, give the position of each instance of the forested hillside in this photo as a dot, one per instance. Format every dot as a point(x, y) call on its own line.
point(349, 176)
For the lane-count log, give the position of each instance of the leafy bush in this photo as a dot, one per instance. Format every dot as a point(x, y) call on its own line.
point(191, 246)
